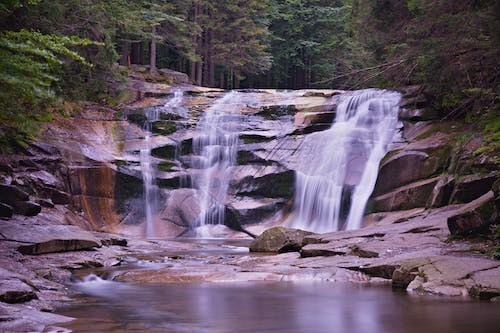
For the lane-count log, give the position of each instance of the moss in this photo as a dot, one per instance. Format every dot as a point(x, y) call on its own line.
point(164, 127)
point(169, 116)
point(165, 152)
point(166, 166)
point(274, 112)
point(251, 138)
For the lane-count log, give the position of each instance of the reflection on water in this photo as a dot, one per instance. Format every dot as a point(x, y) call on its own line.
point(270, 307)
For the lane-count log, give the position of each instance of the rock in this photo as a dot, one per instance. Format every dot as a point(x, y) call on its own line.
point(309, 122)
point(6, 210)
point(319, 249)
point(407, 197)
point(418, 114)
point(486, 284)
point(415, 101)
point(40, 239)
point(182, 207)
point(166, 152)
point(17, 296)
point(474, 216)
point(279, 239)
point(472, 187)
point(164, 127)
point(232, 221)
point(59, 197)
point(356, 250)
point(408, 166)
point(441, 194)
point(27, 208)
point(45, 203)
point(272, 185)
point(384, 271)
point(176, 77)
point(10, 194)
point(252, 210)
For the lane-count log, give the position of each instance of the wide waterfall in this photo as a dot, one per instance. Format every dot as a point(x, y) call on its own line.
point(339, 166)
point(215, 150)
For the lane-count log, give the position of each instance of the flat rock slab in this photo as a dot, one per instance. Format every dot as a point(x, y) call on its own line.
point(40, 239)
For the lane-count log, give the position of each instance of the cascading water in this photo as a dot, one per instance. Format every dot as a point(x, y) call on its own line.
point(216, 149)
point(147, 169)
point(339, 166)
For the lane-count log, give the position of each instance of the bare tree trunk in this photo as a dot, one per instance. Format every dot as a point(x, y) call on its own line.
point(152, 63)
point(124, 53)
point(199, 72)
point(221, 78)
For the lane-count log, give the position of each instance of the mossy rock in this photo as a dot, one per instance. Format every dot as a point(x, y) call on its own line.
point(279, 239)
point(164, 127)
point(254, 138)
point(166, 166)
point(273, 112)
point(136, 117)
point(169, 116)
point(167, 152)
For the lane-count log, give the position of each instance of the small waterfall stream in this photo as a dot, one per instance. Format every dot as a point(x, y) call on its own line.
point(151, 191)
point(216, 148)
point(339, 166)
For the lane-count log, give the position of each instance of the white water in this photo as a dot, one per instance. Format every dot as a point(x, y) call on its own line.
point(216, 149)
point(339, 166)
point(151, 192)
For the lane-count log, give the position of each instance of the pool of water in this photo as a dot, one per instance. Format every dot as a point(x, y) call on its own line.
point(285, 307)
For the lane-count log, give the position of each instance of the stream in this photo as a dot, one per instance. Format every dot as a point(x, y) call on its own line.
point(102, 305)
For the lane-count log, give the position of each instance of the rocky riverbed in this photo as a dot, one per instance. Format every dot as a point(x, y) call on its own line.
point(73, 202)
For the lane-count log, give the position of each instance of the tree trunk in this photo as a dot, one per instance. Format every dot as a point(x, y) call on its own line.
point(199, 73)
point(152, 63)
point(124, 53)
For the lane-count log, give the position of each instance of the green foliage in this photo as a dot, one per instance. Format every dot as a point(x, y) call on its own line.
point(30, 65)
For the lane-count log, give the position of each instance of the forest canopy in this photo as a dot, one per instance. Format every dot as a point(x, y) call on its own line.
point(55, 49)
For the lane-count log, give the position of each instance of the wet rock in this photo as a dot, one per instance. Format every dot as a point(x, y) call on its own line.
point(422, 114)
point(320, 250)
point(6, 210)
point(356, 250)
point(309, 122)
point(252, 210)
point(441, 194)
point(232, 221)
point(59, 197)
point(27, 208)
point(384, 271)
point(13, 290)
point(475, 216)
point(407, 197)
point(182, 208)
point(279, 239)
point(10, 194)
point(38, 239)
point(164, 127)
point(418, 161)
point(165, 152)
point(45, 203)
point(279, 184)
point(486, 284)
point(472, 187)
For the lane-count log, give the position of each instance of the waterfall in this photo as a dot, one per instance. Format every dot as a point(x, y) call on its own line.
point(215, 150)
point(151, 191)
point(339, 166)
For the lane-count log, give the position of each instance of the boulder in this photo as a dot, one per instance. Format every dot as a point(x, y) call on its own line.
point(472, 187)
point(407, 197)
point(478, 214)
point(308, 122)
point(279, 239)
point(408, 166)
point(39, 239)
point(27, 208)
point(6, 210)
point(10, 194)
point(175, 77)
